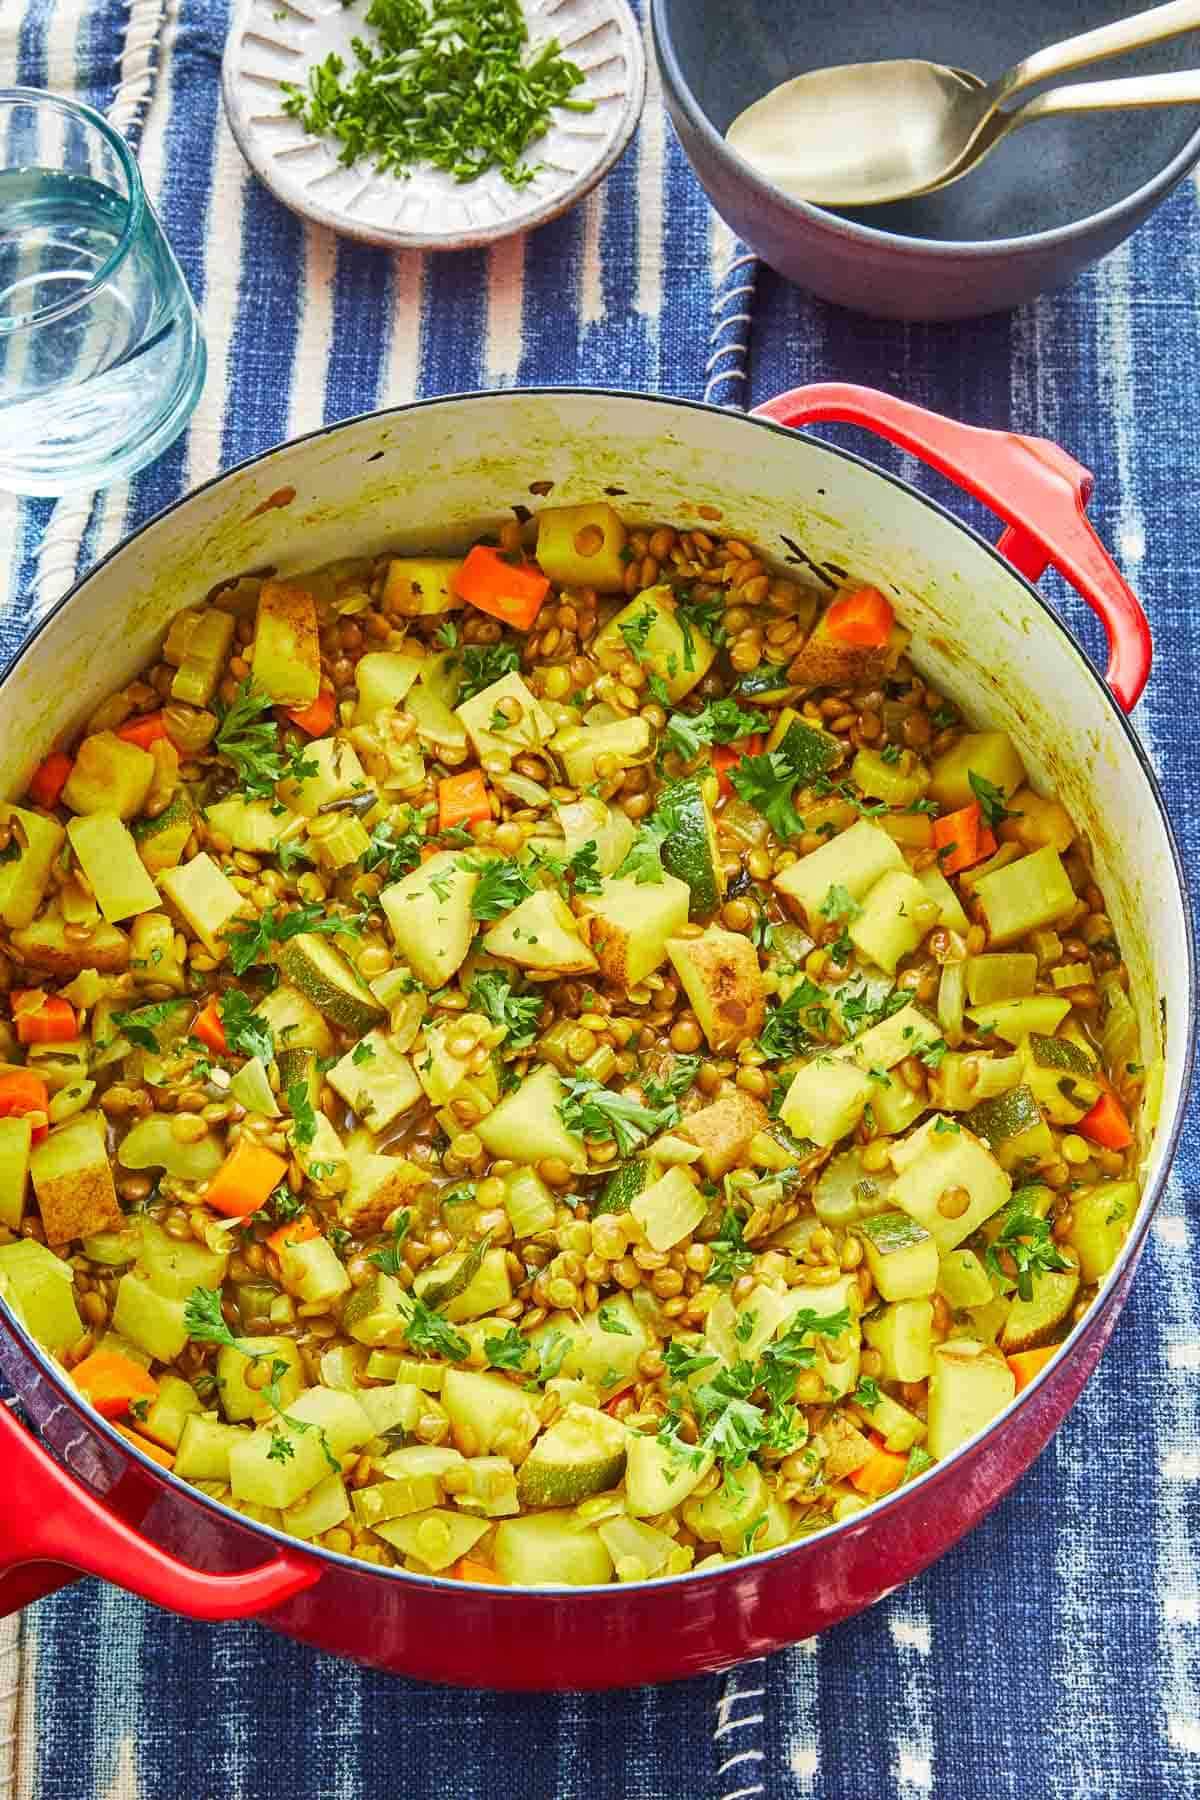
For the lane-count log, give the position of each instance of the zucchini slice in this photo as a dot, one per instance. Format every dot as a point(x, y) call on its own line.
point(690, 852)
point(323, 976)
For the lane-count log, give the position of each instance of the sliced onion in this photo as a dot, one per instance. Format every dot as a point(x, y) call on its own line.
point(952, 992)
point(531, 793)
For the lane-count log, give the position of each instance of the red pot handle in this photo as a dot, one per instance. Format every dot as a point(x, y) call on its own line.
point(47, 1520)
point(1038, 489)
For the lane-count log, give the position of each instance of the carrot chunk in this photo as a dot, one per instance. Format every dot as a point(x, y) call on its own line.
point(144, 731)
point(43, 1018)
point(1025, 1364)
point(463, 799)
point(155, 1452)
point(246, 1180)
point(296, 1231)
point(317, 718)
point(466, 1570)
point(22, 1092)
point(50, 778)
point(965, 837)
point(207, 1026)
point(502, 585)
point(1106, 1124)
point(111, 1381)
point(863, 617)
point(883, 1474)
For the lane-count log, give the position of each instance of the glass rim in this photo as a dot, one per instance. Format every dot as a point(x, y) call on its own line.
point(42, 98)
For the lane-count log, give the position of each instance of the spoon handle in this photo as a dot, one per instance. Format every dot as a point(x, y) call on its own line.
point(1093, 46)
point(1095, 96)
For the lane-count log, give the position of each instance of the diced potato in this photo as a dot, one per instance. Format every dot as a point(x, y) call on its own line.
point(205, 899)
point(16, 1138)
point(73, 1181)
point(828, 661)
point(826, 1100)
point(950, 910)
point(896, 914)
point(854, 860)
point(375, 1081)
point(44, 945)
point(1034, 891)
point(942, 1159)
point(527, 1127)
point(417, 586)
point(631, 925)
point(25, 876)
point(429, 912)
point(154, 1322)
point(721, 977)
point(338, 775)
point(526, 723)
point(580, 546)
point(679, 658)
point(108, 857)
point(287, 653)
point(901, 1255)
point(902, 1333)
point(724, 1130)
point(541, 933)
point(989, 754)
point(1035, 822)
point(969, 1384)
point(109, 776)
point(259, 1479)
point(383, 678)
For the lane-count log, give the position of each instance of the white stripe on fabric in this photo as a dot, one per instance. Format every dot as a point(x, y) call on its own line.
point(125, 1784)
point(222, 266)
point(650, 191)
point(315, 336)
point(591, 275)
point(402, 369)
point(912, 1635)
point(25, 1746)
point(505, 311)
point(139, 65)
point(800, 1672)
point(10, 1688)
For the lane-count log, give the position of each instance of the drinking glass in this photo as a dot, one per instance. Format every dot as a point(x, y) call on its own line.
point(101, 355)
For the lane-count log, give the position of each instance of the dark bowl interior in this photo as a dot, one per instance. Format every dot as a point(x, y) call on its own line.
point(1051, 174)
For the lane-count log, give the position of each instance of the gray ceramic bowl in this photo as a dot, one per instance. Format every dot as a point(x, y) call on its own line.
point(1053, 199)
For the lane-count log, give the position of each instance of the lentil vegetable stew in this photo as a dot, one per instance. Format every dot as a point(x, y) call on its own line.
point(563, 1064)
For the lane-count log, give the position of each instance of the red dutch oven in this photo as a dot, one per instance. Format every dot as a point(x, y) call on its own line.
point(435, 475)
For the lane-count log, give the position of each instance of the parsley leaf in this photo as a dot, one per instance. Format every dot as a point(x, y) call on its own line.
point(766, 783)
point(482, 664)
point(520, 1014)
point(611, 1320)
point(552, 1353)
point(251, 944)
point(304, 1118)
point(636, 631)
point(362, 1053)
point(681, 1363)
point(508, 1352)
point(393, 852)
point(839, 903)
point(391, 1260)
point(245, 1034)
point(502, 885)
point(643, 862)
point(790, 1027)
point(675, 1082)
point(250, 741)
point(1028, 1239)
point(867, 1394)
point(138, 1025)
point(583, 868)
point(720, 722)
point(598, 1111)
point(427, 1330)
point(991, 800)
point(731, 1256)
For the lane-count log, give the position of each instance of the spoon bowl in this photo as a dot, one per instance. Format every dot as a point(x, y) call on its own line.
point(861, 134)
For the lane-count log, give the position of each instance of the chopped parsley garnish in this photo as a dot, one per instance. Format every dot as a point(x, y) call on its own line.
point(791, 1026)
point(251, 944)
point(304, 1118)
point(867, 1394)
point(205, 1324)
point(991, 800)
point(643, 863)
point(391, 1260)
point(919, 1460)
point(1028, 1239)
point(583, 868)
point(502, 885)
point(393, 852)
point(245, 1033)
point(452, 83)
point(363, 1052)
point(720, 722)
point(138, 1025)
point(250, 741)
point(519, 1014)
point(427, 1330)
point(636, 632)
point(600, 1112)
point(611, 1320)
point(932, 1054)
point(677, 1080)
point(839, 903)
point(508, 1352)
point(482, 664)
point(731, 1255)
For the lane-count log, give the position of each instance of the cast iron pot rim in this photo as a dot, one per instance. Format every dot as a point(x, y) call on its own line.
point(910, 1491)
point(832, 224)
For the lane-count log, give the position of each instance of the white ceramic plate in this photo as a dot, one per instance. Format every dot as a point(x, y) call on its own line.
point(275, 41)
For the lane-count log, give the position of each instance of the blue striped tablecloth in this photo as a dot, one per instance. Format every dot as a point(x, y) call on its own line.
point(1056, 1654)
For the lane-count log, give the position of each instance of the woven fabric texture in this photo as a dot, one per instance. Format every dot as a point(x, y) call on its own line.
point(1056, 1653)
